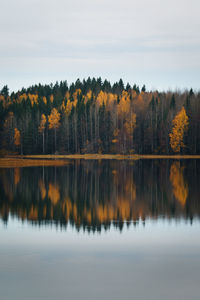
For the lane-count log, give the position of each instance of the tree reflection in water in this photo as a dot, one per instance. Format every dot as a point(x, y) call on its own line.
point(92, 194)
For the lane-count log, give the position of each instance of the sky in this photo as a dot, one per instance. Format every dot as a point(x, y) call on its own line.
point(151, 42)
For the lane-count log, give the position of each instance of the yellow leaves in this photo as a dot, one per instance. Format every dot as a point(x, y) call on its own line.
point(51, 98)
point(75, 102)
point(67, 95)
point(2, 98)
point(140, 103)
point(42, 123)
point(23, 97)
point(102, 98)
point(42, 189)
point(180, 127)
point(44, 100)
point(54, 193)
point(88, 96)
point(114, 141)
point(140, 97)
point(68, 107)
point(124, 209)
point(111, 99)
point(125, 112)
point(16, 176)
point(33, 99)
point(115, 135)
point(54, 119)
point(63, 105)
point(77, 93)
point(124, 104)
point(67, 207)
point(69, 104)
point(106, 99)
point(89, 217)
point(33, 214)
point(17, 137)
point(180, 188)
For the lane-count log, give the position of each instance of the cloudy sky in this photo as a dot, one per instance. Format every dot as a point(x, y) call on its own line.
point(150, 42)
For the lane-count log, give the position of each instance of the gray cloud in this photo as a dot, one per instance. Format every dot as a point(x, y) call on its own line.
point(147, 41)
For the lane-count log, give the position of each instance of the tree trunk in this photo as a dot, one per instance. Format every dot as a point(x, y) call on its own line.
point(55, 139)
point(43, 140)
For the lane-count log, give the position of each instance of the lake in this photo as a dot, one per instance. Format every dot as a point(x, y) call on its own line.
point(101, 229)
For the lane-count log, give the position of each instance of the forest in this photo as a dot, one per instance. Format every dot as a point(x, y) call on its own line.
point(95, 116)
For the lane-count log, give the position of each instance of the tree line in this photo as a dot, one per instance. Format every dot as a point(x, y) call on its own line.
point(95, 116)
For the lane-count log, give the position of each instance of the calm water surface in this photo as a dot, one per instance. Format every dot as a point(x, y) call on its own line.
point(101, 230)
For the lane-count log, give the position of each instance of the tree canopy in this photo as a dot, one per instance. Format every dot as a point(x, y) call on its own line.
point(95, 116)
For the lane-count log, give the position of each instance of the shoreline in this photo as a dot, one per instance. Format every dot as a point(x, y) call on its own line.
point(15, 161)
point(105, 156)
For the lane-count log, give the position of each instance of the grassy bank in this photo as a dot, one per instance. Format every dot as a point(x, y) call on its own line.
point(19, 162)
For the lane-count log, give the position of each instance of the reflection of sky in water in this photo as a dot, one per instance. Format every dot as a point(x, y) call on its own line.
point(160, 260)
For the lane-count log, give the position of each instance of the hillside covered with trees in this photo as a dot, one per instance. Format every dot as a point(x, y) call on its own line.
point(95, 116)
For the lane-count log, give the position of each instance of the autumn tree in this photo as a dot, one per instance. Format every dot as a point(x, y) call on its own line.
point(17, 137)
point(54, 122)
point(53, 193)
point(97, 116)
point(180, 127)
point(41, 128)
point(127, 122)
point(16, 176)
point(180, 187)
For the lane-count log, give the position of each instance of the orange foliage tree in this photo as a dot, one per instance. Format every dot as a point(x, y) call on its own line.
point(180, 127)
point(17, 137)
point(16, 176)
point(54, 122)
point(180, 187)
point(53, 193)
point(127, 120)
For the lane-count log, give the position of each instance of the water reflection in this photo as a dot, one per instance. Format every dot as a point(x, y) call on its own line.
point(180, 186)
point(92, 194)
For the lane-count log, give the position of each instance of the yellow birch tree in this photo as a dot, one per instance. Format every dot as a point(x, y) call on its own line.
point(54, 122)
point(17, 137)
point(180, 187)
point(180, 127)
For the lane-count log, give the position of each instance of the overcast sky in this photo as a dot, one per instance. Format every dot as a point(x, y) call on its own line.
point(155, 42)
